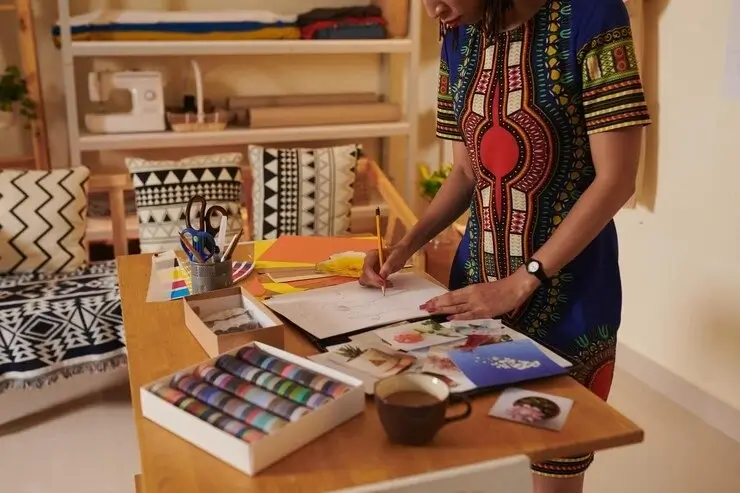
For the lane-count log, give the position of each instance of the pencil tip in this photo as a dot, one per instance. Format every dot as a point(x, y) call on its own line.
point(377, 211)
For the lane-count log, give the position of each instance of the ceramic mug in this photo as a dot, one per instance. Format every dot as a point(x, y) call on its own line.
point(413, 407)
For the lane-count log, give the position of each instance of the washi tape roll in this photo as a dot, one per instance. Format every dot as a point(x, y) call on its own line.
point(272, 382)
point(223, 401)
point(291, 371)
point(251, 393)
point(207, 413)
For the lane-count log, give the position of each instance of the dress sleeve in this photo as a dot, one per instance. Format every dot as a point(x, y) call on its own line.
point(612, 95)
point(447, 125)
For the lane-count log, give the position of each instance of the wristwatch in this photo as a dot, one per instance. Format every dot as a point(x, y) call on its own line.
point(534, 267)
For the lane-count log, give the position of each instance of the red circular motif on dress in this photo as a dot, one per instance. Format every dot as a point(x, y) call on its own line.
point(499, 154)
point(601, 381)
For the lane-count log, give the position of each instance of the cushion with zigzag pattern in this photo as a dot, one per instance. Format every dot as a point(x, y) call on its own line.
point(163, 189)
point(43, 220)
point(302, 191)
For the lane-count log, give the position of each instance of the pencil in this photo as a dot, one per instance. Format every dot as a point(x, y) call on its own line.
point(190, 248)
point(380, 243)
point(232, 245)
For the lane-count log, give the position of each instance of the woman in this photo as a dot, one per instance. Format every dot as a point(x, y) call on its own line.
point(543, 102)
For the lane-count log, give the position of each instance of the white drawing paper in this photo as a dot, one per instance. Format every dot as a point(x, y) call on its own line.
point(338, 310)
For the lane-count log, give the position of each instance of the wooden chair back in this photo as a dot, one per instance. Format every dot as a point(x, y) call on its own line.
point(508, 475)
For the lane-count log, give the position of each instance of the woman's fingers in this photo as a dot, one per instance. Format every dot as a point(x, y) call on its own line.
point(370, 276)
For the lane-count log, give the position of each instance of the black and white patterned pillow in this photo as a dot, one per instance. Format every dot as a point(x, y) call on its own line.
point(43, 220)
point(163, 189)
point(300, 191)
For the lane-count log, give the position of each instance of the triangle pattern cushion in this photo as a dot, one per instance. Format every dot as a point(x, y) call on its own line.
point(302, 191)
point(163, 189)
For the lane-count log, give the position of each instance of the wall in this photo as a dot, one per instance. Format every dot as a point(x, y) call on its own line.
point(223, 76)
point(679, 261)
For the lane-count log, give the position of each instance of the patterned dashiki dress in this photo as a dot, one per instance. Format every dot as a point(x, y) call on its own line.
point(524, 107)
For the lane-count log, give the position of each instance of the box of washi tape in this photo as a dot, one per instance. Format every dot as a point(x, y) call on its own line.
point(230, 318)
point(254, 405)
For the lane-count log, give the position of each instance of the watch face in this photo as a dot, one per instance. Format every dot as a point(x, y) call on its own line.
point(533, 267)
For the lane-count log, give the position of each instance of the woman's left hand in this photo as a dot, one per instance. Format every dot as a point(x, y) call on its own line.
point(484, 300)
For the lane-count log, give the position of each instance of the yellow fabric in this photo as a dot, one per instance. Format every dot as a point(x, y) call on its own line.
point(257, 34)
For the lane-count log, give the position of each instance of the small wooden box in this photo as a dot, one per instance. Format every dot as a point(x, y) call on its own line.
point(271, 329)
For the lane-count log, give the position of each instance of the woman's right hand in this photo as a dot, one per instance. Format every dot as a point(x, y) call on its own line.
point(375, 275)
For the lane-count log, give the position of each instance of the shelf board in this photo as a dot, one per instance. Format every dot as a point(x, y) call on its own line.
point(235, 136)
point(240, 47)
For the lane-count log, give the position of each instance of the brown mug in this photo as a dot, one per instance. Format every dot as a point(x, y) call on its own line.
point(413, 407)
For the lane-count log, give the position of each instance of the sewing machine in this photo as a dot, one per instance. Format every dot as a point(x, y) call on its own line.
point(147, 113)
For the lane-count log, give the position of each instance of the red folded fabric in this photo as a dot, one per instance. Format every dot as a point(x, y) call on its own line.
point(307, 32)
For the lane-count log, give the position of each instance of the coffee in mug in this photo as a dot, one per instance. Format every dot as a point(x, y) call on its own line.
point(413, 407)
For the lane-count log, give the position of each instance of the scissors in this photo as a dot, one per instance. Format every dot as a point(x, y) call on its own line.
point(202, 238)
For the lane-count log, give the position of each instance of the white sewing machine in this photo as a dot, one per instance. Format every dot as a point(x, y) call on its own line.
point(147, 112)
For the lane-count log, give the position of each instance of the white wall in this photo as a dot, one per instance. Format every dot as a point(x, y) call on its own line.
point(681, 271)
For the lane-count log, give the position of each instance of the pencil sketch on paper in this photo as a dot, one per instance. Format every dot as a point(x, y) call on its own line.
point(337, 310)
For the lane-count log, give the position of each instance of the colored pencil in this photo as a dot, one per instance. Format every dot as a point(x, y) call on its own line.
point(380, 243)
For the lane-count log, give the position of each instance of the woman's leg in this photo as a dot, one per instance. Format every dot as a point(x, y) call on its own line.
point(596, 373)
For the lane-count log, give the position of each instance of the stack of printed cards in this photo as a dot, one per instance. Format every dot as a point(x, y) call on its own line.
point(532, 408)
point(466, 355)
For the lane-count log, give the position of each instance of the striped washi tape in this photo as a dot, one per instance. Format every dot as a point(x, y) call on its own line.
point(253, 394)
point(207, 413)
point(272, 382)
point(285, 369)
point(223, 401)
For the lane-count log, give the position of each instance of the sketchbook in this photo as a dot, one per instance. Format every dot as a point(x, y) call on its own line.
point(338, 310)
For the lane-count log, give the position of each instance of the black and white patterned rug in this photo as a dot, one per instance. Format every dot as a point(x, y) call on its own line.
point(59, 326)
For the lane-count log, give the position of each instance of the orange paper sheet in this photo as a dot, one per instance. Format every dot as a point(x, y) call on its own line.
point(314, 249)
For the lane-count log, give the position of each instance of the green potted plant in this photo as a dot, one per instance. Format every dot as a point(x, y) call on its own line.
point(429, 183)
point(14, 98)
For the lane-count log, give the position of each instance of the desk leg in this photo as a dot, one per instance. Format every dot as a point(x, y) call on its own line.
point(138, 484)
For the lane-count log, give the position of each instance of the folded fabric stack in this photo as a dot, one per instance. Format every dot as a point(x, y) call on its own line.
point(130, 25)
point(361, 22)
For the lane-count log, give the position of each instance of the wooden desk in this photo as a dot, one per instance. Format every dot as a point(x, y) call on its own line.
point(357, 452)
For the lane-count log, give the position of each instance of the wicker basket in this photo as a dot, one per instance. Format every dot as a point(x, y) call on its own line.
point(194, 122)
point(200, 121)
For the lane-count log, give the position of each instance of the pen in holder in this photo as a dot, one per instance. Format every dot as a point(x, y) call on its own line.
point(208, 277)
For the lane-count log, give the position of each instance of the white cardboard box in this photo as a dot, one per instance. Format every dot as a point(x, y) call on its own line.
point(253, 458)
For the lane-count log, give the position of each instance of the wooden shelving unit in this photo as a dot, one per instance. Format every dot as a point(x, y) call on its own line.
point(80, 141)
point(30, 69)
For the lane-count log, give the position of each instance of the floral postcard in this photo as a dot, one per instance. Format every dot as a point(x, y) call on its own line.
point(373, 359)
point(505, 363)
point(482, 326)
point(439, 364)
point(498, 332)
point(532, 408)
point(418, 335)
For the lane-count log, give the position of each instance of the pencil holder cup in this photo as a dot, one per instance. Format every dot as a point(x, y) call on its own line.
point(210, 277)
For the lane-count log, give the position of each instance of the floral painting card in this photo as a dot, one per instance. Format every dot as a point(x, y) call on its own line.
point(439, 364)
point(505, 363)
point(376, 360)
point(532, 408)
point(488, 331)
point(418, 335)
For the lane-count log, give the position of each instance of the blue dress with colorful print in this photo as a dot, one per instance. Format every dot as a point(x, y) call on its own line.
point(525, 107)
